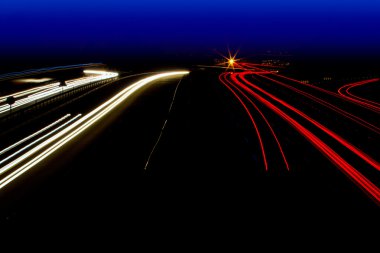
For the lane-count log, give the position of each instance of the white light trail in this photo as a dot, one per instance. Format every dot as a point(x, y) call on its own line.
point(99, 72)
point(33, 80)
point(73, 130)
point(6, 168)
point(43, 92)
point(34, 134)
point(28, 92)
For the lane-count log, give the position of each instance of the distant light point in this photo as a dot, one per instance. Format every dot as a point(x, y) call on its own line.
point(230, 61)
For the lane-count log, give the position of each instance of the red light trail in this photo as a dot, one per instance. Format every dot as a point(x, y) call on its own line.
point(330, 106)
point(247, 91)
point(345, 92)
point(255, 125)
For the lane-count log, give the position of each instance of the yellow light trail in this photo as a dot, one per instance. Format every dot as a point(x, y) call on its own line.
point(34, 134)
point(5, 168)
point(28, 92)
point(64, 136)
point(99, 72)
point(49, 90)
point(33, 80)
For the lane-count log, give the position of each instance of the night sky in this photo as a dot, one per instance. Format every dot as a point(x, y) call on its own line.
point(96, 28)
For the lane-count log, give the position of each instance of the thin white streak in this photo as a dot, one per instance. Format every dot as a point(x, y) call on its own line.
point(34, 134)
point(162, 128)
point(71, 132)
point(5, 168)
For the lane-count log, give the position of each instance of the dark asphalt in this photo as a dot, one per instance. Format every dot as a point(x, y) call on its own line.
point(208, 156)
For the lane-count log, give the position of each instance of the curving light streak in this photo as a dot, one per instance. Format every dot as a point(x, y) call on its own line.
point(69, 133)
point(337, 95)
point(265, 98)
point(345, 92)
point(332, 134)
point(34, 134)
point(224, 80)
point(342, 112)
point(254, 125)
point(344, 166)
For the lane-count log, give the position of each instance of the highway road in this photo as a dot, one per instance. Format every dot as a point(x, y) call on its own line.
point(262, 133)
point(264, 124)
point(62, 131)
point(45, 152)
point(342, 126)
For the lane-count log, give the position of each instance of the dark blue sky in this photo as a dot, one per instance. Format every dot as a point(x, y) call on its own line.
point(166, 27)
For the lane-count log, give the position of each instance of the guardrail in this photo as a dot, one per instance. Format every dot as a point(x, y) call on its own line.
point(67, 92)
